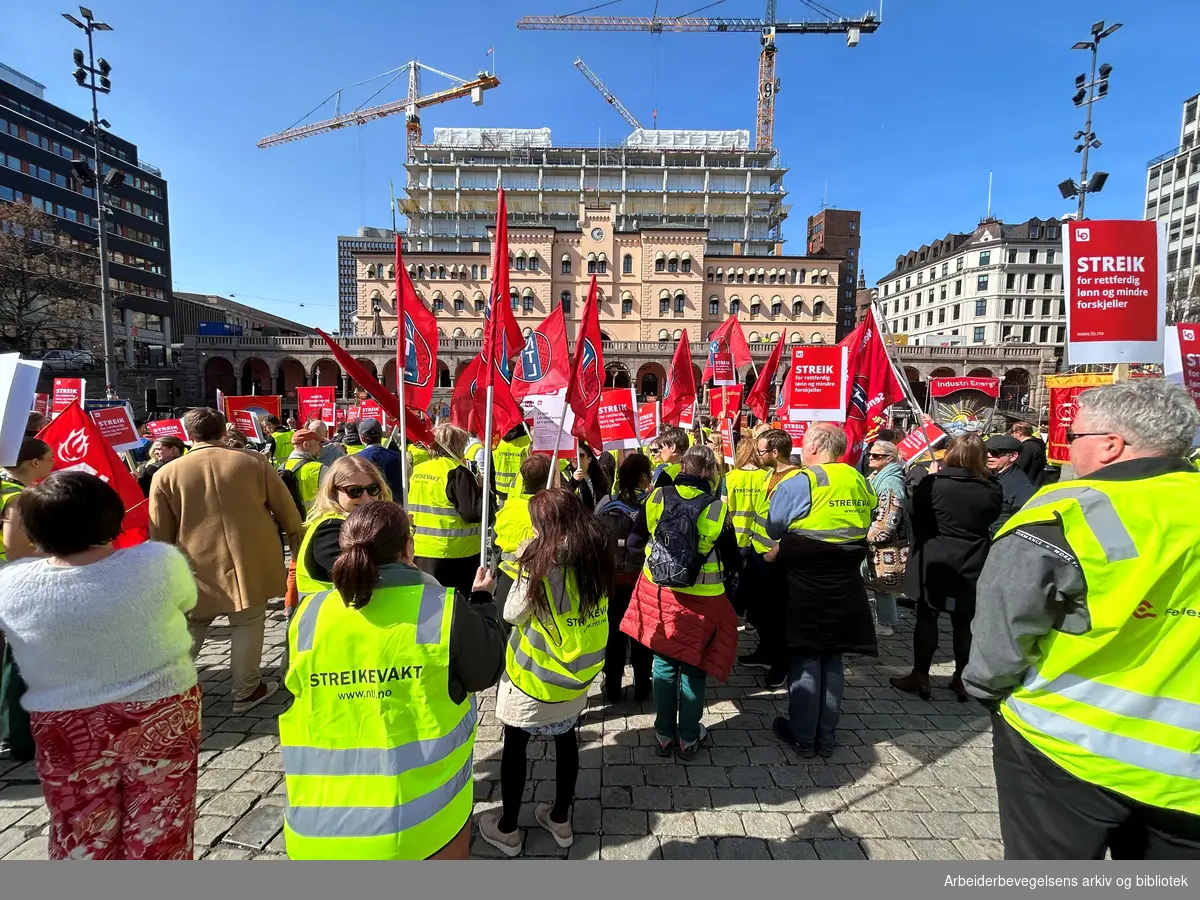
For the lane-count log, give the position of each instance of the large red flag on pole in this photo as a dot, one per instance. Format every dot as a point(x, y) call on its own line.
point(496, 407)
point(418, 429)
point(728, 338)
point(679, 394)
point(873, 386)
point(759, 398)
point(587, 374)
point(416, 343)
point(545, 365)
point(462, 403)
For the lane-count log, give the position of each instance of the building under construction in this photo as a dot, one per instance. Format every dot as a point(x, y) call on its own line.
point(707, 179)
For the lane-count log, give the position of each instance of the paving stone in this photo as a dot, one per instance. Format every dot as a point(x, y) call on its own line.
point(838, 850)
point(669, 775)
point(700, 848)
point(948, 800)
point(256, 828)
point(902, 824)
point(905, 799)
point(626, 847)
point(222, 740)
point(228, 853)
point(691, 798)
point(814, 826)
point(585, 846)
point(622, 775)
point(742, 848)
point(259, 782)
point(750, 776)
point(229, 803)
point(616, 797)
point(972, 849)
point(762, 756)
point(217, 779)
point(876, 848)
point(540, 843)
point(651, 798)
point(728, 756)
point(772, 825)
point(791, 850)
point(772, 799)
point(624, 821)
point(984, 826)
point(272, 762)
point(734, 799)
point(11, 838)
point(707, 776)
point(717, 824)
point(859, 825)
point(937, 849)
point(790, 776)
point(947, 826)
point(34, 848)
point(26, 795)
point(672, 824)
point(821, 800)
point(585, 817)
point(587, 783)
point(10, 815)
point(235, 759)
point(269, 857)
point(209, 829)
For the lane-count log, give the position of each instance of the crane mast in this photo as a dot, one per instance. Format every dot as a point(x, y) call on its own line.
point(607, 94)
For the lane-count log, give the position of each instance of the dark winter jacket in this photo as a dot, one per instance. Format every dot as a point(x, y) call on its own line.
point(1032, 459)
point(953, 512)
point(1017, 490)
point(827, 609)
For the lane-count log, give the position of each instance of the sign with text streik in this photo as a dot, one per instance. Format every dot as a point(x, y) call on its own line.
point(1182, 364)
point(723, 371)
point(1115, 286)
point(65, 391)
point(817, 383)
point(116, 425)
point(914, 446)
point(168, 428)
point(618, 420)
point(648, 419)
point(795, 430)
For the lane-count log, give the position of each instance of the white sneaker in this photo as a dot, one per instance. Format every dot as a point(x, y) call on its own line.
point(509, 844)
point(884, 630)
point(562, 833)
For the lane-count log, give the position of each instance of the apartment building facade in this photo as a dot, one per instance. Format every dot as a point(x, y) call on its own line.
point(1173, 196)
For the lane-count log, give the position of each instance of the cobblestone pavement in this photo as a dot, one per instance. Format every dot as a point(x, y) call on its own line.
point(910, 779)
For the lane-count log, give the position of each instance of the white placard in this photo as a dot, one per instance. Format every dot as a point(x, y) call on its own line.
point(18, 386)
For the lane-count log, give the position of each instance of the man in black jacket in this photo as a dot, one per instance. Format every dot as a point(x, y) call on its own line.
point(1032, 457)
point(1003, 452)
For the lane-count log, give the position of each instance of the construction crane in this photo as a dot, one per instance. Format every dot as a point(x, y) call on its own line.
point(767, 27)
point(616, 104)
point(409, 105)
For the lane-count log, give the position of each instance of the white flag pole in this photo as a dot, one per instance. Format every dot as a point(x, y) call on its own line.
point(881, 323)
point(487, 474)
point(401, 366)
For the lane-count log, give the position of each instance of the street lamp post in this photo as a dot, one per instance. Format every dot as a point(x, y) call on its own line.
point(1088, 91)
point(85, 77)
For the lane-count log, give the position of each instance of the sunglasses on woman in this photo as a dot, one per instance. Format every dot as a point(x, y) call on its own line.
point(879, 455)
point(354, 491)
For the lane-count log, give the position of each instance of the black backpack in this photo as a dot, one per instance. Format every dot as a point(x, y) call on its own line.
point(618, 517)
point(675, 558)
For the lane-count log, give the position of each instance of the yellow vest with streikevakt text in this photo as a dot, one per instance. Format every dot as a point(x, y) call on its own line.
point(842, 505)
point(743, 491)
point(376, 756)
point(1117, 706)
point(439, 532)
point(506, 464)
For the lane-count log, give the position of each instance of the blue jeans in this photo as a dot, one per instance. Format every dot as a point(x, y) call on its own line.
point(678, 700)
point(885, 609)
point(815, 689)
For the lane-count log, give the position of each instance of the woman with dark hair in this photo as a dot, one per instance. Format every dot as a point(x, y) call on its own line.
point(618, 513)
point(559, 609)
point(101, 640)
point(952, 511)
point(589, 482)
point(383, 670)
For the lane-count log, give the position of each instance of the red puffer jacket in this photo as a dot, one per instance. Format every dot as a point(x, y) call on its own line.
point(699, 631)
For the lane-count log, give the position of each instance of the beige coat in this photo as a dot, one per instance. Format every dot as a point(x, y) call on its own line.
point(224, 508)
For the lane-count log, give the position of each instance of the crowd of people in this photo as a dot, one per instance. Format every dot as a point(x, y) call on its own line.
point(1068, 609)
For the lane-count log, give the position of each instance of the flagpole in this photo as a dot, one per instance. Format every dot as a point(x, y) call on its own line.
point(562, 424)
point(401, 366)
point(484, 522)
point(881, 322)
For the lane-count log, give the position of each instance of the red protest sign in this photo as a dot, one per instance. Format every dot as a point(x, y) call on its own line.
point(816, 383)
point(795, 430)
point(41, 404)
point(369, 409)
point(66, 391)
point(724, 402)
point(247, 423)
point(723, 373)
point(1189, 357)
point(727, 440)
point(257, 405)
point(648, 421)
point(618, 419)
point(687, 417)
point(944, 387)
point(316, 403)
point(167, 428)
point(116, 426)
point(1114, 278)
point(914, 445)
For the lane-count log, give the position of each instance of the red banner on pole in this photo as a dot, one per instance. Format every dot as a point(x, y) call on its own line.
point(618, 419)
point(725, 402)
point(66, 391)
point(944, 387)
point(1114, 280)
point(1064, 392)
point(817, 383)
point(168, 428)
point(258, 404)
point(316, 403)
point(914, 445)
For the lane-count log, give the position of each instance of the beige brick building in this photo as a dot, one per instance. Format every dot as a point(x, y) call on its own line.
point(654, 283)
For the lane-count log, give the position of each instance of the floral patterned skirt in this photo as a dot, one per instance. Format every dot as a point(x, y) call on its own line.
point(120, 779)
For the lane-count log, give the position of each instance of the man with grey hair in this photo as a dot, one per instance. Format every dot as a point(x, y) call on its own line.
point(1085, 640)
point(330, 452)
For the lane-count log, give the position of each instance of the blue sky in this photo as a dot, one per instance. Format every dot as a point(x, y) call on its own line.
point(943, 93)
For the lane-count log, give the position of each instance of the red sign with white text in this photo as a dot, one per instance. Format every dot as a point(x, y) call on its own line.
point(816, 383)
point(726, 427)
point(1115, 287)
point(116, 425)
point(687, 417)
point(914, 445)
point(41, 404)
point(66, 391)
point(316, 403)
point(247, 423)
point(256, 404)
point(648, 421)
point(724, 402)
point(796, 430)
point(944, 387)
point(167, 428)
point(618, 419)
point(1064, 394)
point(369, 409)
point(723, 373)
point(1189, 355)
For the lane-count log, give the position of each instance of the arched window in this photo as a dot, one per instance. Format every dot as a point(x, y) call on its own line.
point(391, 270)
point(818, 338)
point(370, 270)
point(673, 263)
point(520, 262)
point(514, 301)
point(771, 277)
point(735, 306)
point(421, 272)
point(566, 264)
point(480, 303)
point(711, 275)
point(526, 332)
point(535, 263)
point(720, 275)
point(478, 333)
point(626, 305)
point(602, 266)
point(458, 333)
point(818, 309)
point(680, 303)
point(627, 264)
point(564, 300)
point(664, 335)
point(793, 277)
point(714, 306)
point(527, 303)
point(664, 305)
point(475, 273)
point(660, 262)
point(801, 274)
point(776, 306)
point(438, 303)
point(441, 271)
point(797, 308)
point(796, 339)
point(685, 264)
point(483, 272)
point(678, 335)
point(755, 306)
point(754, 338)
point(774, 337)
point(460, 302)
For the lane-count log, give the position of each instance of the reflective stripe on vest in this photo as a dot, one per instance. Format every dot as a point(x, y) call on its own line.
point(710, 582)
point(743, 489)
point(506, 462)
point(841, 508)
point(513, 527)
point(377, 757)
point(439, 532)
point(308, 477)
point(1116, 706)
point(305, 582)
point(760, 540)
point(283, 447)
point(555, 671)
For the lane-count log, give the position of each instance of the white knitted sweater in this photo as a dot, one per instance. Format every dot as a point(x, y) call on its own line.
point(109, 632)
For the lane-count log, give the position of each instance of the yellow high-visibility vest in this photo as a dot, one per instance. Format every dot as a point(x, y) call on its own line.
point(439, 532)
point(558, 661)
point(743, 490)
point(711, 580)
point(506, 464)
point(8, 492)
point(351, 449)
point(305, 582)
point(1116, 706)
point(759, 539)
point(513, 528)
point(842, 505)
point(376, 756)
point(283, 447)
point(308, 473)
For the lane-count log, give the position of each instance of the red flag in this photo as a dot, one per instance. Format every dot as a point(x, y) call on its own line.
point(502, 340)
point(417, 342)
point(759, 398)
point(544, 366)
point(462, 403)
point(587, 374)
point(680, 393)
point(418, 429)
point(78, 445)
point(873, 386)
point(728, 338)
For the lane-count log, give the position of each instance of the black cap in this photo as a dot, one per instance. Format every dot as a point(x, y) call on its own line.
point(370, 428)
point(1003, 443)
